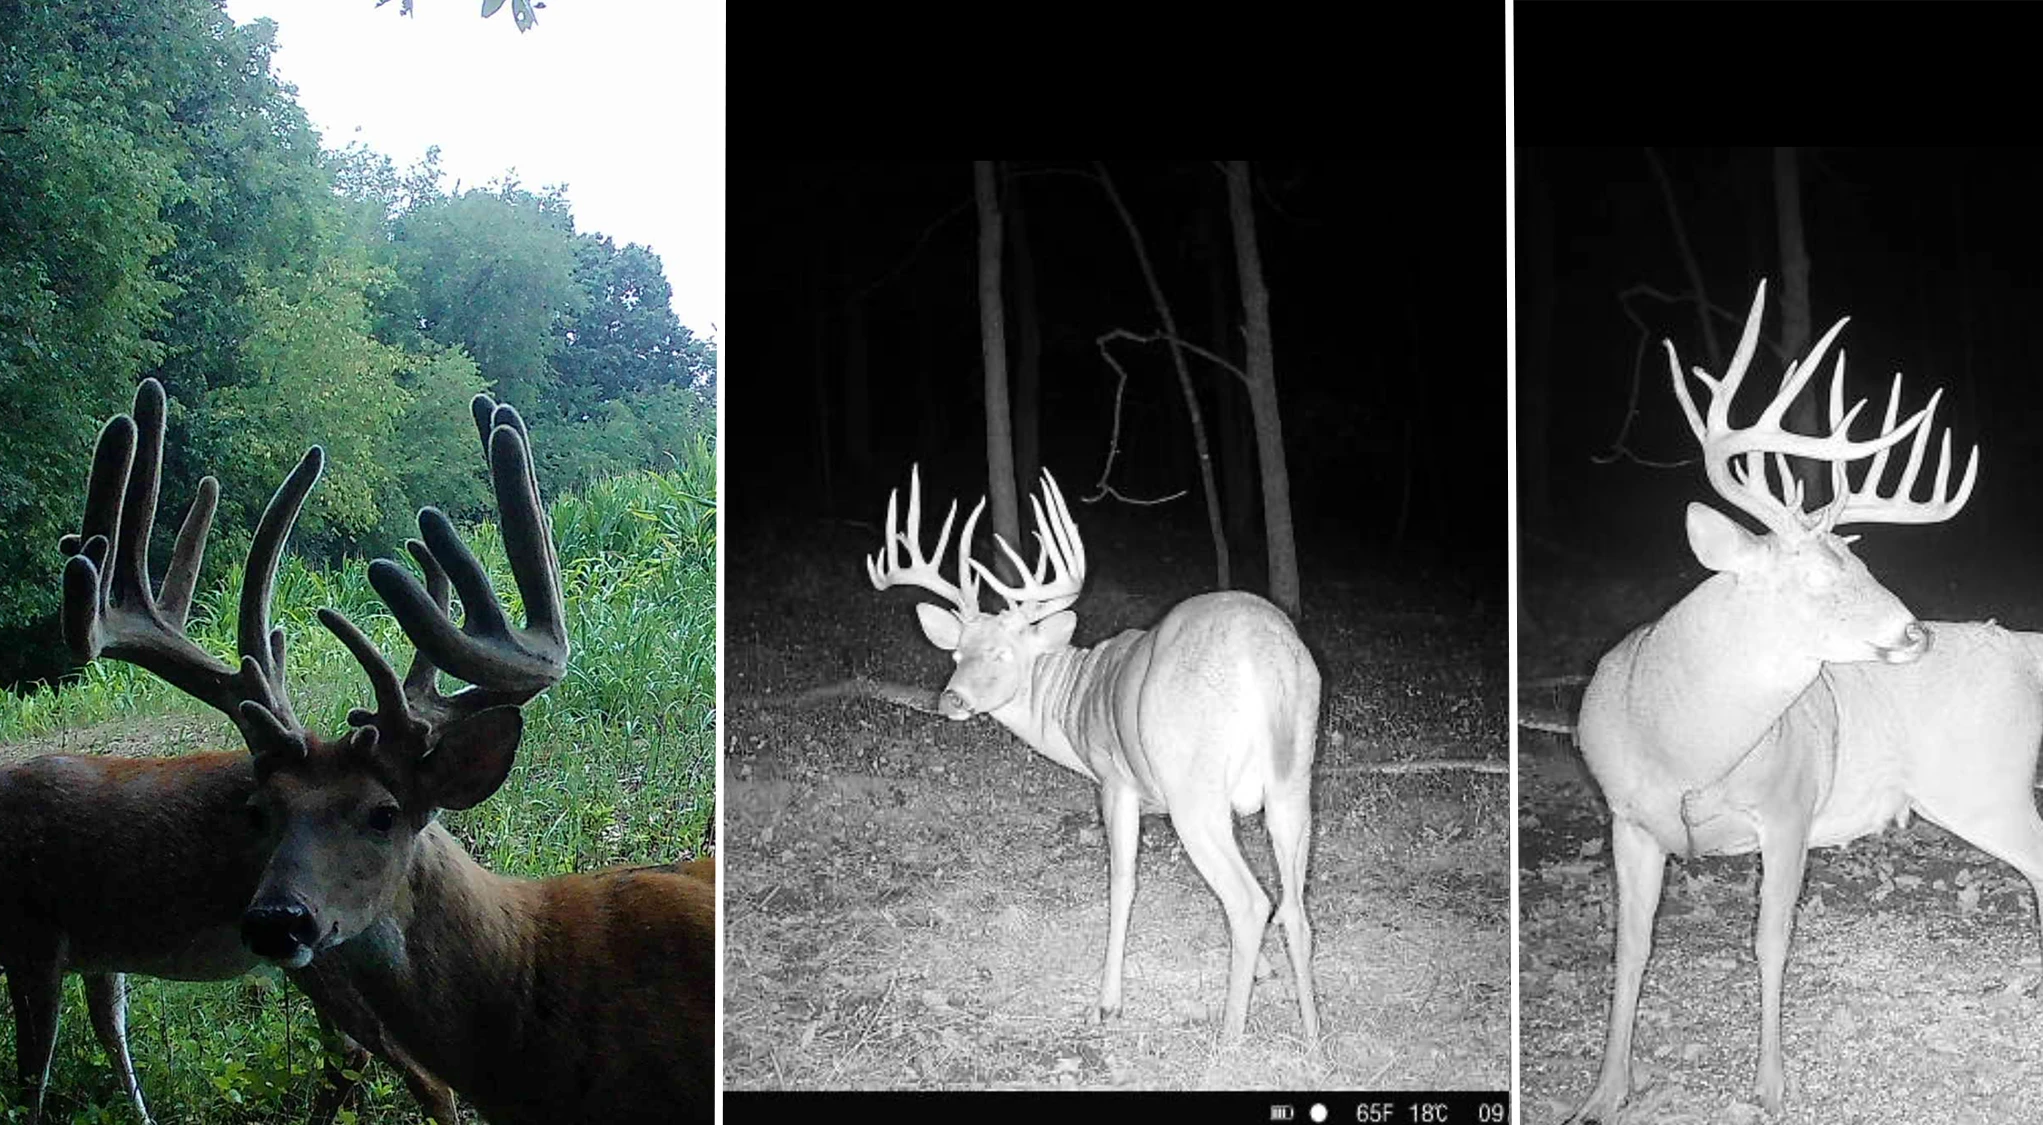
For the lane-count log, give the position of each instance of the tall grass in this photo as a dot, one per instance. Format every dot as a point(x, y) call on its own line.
point(617, 766)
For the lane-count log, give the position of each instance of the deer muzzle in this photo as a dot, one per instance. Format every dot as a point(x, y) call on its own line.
point(284, 932)
point(953, 705)
point(1915, 640)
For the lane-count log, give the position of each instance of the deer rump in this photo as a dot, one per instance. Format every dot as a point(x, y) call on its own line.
point(1220, 670)
point(1952, 736)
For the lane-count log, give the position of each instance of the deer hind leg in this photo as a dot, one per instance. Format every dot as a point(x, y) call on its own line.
point(36, 986)
point(106, 1001)
point(1207, 831)
point(1121, 808)
point(1640, 864)
point(1783, 854)
point(2000, 820)
point(1287, 814)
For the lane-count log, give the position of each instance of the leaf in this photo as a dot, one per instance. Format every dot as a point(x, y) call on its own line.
point(489, 7)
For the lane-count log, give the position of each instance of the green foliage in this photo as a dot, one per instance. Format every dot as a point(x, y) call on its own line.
point(169, 212)
point(490, 271)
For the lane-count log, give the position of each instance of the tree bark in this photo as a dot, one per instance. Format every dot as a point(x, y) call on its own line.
point(993, 351)
point(1262, 390)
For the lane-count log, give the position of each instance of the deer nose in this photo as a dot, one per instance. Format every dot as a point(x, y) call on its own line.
point(1915, 640)
point(953, 705)
point(279, 931)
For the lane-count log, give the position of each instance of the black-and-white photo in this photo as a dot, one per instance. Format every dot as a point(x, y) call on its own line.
point(1115, 627)
point(1773, 626)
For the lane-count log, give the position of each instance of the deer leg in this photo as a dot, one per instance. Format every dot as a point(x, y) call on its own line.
point(1987, 802)
point(1783, 853)
point(1121, 808)
point(339, 1011)
point(1287, 814)
point(36, 986)
point(106, 1001)
point(1640, 864)
point(1207, 831)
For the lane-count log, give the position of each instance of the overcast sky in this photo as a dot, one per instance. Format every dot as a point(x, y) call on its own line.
point(621, 101)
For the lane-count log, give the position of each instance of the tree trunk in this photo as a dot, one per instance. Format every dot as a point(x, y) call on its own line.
point(1538, 292)
point(993, 351)
point(1223, 575)
point(1805, 413)
point(1262, 390)
point(1028, 333)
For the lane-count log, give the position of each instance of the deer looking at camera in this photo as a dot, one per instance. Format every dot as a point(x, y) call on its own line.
point(144, 865)
point(1791, 701)
point(1211, 713)
point(577, 998)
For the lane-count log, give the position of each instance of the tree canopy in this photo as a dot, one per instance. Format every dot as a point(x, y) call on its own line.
point(171, 212)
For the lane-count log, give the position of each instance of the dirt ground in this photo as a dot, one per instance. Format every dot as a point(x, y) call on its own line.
point(1914, 988)
point(914, 903)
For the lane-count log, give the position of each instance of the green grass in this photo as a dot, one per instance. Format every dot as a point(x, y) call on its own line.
point(617, 766)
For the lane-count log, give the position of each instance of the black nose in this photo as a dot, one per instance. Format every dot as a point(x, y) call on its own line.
point(278, 930)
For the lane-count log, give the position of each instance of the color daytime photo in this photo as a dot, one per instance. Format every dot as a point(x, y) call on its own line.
point(1176, 762)
point(398, 802)
point(1774, 628)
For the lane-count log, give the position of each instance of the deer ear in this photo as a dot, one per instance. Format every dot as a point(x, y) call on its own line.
point(1055, 630)
point(1720, 544)
point(471, 759)
point(943, 627)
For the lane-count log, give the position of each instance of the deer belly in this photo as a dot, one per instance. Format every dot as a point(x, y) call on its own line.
point(1858, 806)
point(214, 954)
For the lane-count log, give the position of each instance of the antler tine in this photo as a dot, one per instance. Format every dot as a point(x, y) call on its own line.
point(1060, 552)
point(885, 569)
point(1734, 459)
point(109, 609)
point(503, 665)
point(1866, 504)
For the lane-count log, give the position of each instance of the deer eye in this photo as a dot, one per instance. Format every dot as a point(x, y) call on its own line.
point(382, 818)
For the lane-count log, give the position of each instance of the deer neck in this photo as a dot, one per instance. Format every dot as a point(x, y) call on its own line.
point(1712, 676)
point(447, 967)
point(1065, 695)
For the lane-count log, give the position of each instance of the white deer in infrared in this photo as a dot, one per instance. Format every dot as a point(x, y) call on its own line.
point(1791, 701)
point(1213, 712)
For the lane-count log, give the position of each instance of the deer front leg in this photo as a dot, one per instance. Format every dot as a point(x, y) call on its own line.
point(1121, 809)
point(1783, 853)
point(36, 985)
point(106, 1001)
point(1640, 864)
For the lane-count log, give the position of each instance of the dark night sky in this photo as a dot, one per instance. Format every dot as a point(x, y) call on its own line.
point(1931, 253)
point(1385, 298)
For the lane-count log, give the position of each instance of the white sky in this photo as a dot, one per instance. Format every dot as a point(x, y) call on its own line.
point(621, 101)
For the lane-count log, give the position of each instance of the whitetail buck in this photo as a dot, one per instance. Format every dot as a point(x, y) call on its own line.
point(1791, 701)
point(579, 998)
point(116, 865)
point(1211, 713)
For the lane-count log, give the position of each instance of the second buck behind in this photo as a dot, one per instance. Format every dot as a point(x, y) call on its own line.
point(1211, 713)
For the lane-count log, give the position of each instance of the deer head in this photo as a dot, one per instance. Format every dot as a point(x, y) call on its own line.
point(342, 813)
point(1798, 587)
point(993, 651)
